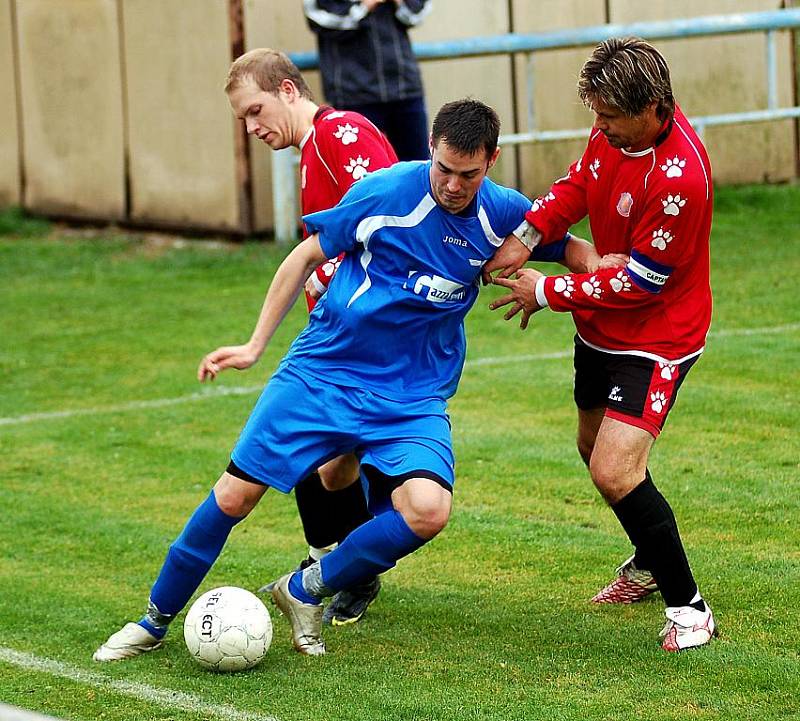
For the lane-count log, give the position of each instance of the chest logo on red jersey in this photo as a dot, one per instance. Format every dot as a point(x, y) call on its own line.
point(346, 133)
point(673, 204)
point(673, 167)
point(625, 204)
point(357, 167)
point(594, 166)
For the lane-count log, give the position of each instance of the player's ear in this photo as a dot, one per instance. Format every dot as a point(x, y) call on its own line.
point(493, 159)
point(288, 89)
point(430, 144)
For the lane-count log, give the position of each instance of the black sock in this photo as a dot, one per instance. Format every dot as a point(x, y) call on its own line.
point(650, 524)
point(329, 516)
point(640, 559)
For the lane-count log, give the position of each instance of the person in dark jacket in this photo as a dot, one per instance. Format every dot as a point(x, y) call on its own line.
point(367, 65)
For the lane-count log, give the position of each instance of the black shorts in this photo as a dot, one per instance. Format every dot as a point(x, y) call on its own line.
point(635, 390)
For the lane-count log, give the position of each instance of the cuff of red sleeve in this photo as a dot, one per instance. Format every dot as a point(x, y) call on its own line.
point(318, 284)
point(541, 298)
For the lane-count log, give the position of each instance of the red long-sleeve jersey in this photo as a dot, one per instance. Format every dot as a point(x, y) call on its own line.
point(340, 148)
point(654, 205)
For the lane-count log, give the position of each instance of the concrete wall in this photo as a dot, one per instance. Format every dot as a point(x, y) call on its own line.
point(181, 133)
point(723, 75)
point(555, 102)
point(120, 113)
point(69, 61)
point(10, 189)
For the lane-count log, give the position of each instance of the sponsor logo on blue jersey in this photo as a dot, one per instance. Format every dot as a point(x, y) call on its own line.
point(434, 288)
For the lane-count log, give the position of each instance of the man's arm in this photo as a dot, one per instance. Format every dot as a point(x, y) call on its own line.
point(412, 12)
point(576, 254)
point(283, 291)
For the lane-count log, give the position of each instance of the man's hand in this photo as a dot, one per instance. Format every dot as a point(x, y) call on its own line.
point(613, 260)
point(311, 288)
point(522, 295)
point(230, 356)
point(508, 259)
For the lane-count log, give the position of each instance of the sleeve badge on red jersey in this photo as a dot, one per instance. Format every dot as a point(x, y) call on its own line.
point(346, 133)
point(673, 204)
point(592, 287)
point(620, 282)
point(661, 238)
point(673, 167)
point(564, 285)
point(357, 167)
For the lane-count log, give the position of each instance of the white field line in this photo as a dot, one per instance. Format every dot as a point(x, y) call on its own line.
point(218, 391)
point(158, 696)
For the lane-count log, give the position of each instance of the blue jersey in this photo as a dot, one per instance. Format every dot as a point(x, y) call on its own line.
point(392, 320)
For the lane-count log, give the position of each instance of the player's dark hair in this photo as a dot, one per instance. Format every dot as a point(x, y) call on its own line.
point(467, 126)
point(627, 74)
point(268, 68)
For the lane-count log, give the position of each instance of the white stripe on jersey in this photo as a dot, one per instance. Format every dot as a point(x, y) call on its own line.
point(372, 223)
point(491, 236)
point(696, 152)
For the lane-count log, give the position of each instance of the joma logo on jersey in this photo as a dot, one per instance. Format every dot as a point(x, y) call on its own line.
point(435, 288)
point(454, 241)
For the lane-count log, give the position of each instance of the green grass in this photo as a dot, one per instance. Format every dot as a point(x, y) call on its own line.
point(491, 620)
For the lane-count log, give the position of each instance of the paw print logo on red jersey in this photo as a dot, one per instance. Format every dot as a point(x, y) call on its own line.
point(565, 286)
point(661, 238)
point(592, 287)
point(594, 166)
point(667, 370)
point(658, 402)
point(673, 204)
point(357, 167)
point(347, 134)
point(673, 167)
point(539, 203)
point(330, 266)
point(620, 282)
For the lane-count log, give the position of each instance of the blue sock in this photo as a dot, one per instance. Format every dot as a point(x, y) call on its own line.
point(187, 562)
point(372, 548)
point(299, 592)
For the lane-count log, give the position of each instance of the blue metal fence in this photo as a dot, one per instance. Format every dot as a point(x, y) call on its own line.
point(283, 162)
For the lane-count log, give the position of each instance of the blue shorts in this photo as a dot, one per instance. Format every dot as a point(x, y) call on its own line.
point(300, 423)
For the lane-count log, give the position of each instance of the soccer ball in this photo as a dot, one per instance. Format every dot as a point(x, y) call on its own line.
point(227, 629)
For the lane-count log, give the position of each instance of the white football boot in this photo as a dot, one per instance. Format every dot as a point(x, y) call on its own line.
point(131, 640)
point(686, 627)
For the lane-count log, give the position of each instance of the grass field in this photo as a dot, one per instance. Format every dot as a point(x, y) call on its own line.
point(108, 443)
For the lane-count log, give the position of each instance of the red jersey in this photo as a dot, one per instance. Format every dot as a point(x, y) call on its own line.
point(655, 206)
point(340, 148)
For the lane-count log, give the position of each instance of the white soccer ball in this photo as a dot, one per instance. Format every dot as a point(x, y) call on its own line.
point(227, 629)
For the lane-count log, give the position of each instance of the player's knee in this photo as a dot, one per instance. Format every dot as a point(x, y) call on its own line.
point(427, 517)
point(236, 497)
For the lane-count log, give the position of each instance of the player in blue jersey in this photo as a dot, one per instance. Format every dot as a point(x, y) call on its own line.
point(382, 353)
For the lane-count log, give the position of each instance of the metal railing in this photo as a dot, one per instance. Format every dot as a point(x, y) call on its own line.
point(284, 195)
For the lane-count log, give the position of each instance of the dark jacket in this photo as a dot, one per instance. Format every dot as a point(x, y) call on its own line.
point(366, 57)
